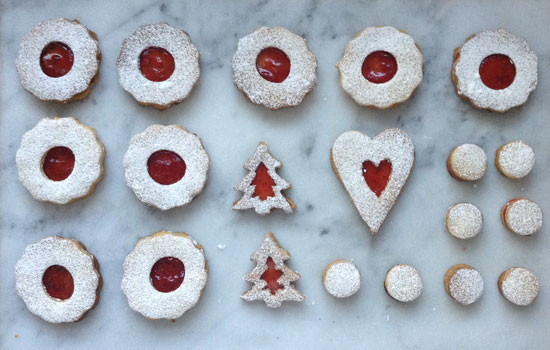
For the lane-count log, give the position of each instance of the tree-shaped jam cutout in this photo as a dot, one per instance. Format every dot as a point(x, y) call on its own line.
point(263, 183)
point(271, 276)
point(377, 177)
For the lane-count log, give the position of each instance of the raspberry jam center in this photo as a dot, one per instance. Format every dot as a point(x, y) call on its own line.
point(56, 59)
point(167, 274)
point(58, 282)
point(263, 182)
point(497, 71)
point(377, 177)
point(156, 64)
point(166, 167)
point(271, 275)
point(58, 163)
point(379, 67)
point(273, 65)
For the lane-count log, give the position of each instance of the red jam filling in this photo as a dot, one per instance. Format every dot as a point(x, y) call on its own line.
point(56, 59)
point(156, 64)
point(377, 177)
point(58, 163)
point(271, 275)
point(497, 71)
point(166, 167)
point(379, 67)
point(58, 282)
point(273, 65)
point(167, 274)
point(263, 182)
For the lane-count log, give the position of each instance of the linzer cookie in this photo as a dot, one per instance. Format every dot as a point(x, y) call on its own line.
point(341, 279)
point(464, 284)
point(522, 216)
point(373, 171)
point(274, 67)
point(515, 159)
point(403, 283)
point(381, 67)
point(464, 220)
point(59, 61)
point(495, 70)
point(60, 160)
point(58, 279)
point(158, 65)
point(519, 286)
point(467, 162)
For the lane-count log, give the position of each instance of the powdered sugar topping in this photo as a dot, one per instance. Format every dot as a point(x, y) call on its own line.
point(466, 286)
point(341, 279)
point(523, 216)
point(467, 162)
point(519, 286)
point(464, 220)
point(403, 283)
point(515, 159)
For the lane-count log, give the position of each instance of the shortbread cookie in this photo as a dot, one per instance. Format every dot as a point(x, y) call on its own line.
point(403, 283)
point(494, 70)
point(166, 166)
point(274, 67)
point(59, 61)
point(522, 216)
point(515, 159)
point(381, 67)
point(341, 279)
point(467, 162)
point(158, 65)
point(60, 160)
point(464, 220)
point(164, 275)
point(271, 277)
point(262, 185)
point(58, 279)
point(464, 284)
point(373, 171)
point(519, 286)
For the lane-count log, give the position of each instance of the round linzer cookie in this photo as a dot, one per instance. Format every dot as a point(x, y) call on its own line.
point(515, 159)
point(166, 166)
point(467, 162)
point(158, 65)
point(464, 220)
point(274, 67)
point(381, 67)
point(341, 279)
point(164, 275)
point(522, 216)
point(464, 284)
point(59, 61)
point(403, 283)
point(58, 279)
point(519, 286)
point(495, 70)
point(60, 160)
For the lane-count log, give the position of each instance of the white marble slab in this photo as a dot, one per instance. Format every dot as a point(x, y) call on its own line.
point(326, 226)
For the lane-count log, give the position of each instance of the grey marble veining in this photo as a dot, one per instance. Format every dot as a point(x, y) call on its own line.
point(325, 226)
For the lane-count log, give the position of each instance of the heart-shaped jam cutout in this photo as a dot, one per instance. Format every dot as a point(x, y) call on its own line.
point(377, 177)
point(263, 182)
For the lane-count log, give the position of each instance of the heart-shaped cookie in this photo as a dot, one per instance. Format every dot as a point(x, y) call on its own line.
point(373, 171)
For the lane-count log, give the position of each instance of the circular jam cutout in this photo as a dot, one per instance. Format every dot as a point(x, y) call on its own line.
point(273, 65)
point(166, 167)
point(58, 282)
point(379, 67)
point(156, 64)
point(56, 59)
point(497, 71)
point(167, 274)
point(58, 163)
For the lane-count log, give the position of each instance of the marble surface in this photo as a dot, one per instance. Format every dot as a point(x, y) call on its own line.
point(325, 226)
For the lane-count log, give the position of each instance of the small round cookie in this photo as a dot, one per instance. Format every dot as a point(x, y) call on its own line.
point(58, 279)
point(164, 275)
point(515, 159)
point(381, 67)
point(495, 70)
point(464, 220)
point(341, 279)
point(59, 61)
point(522, 216)
point(519, 286)
point(158, 65)
point(403, 283)
point(166, 166)
point(60, 160)
point(274, 67)
point(464, 284)
point(467, 162)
